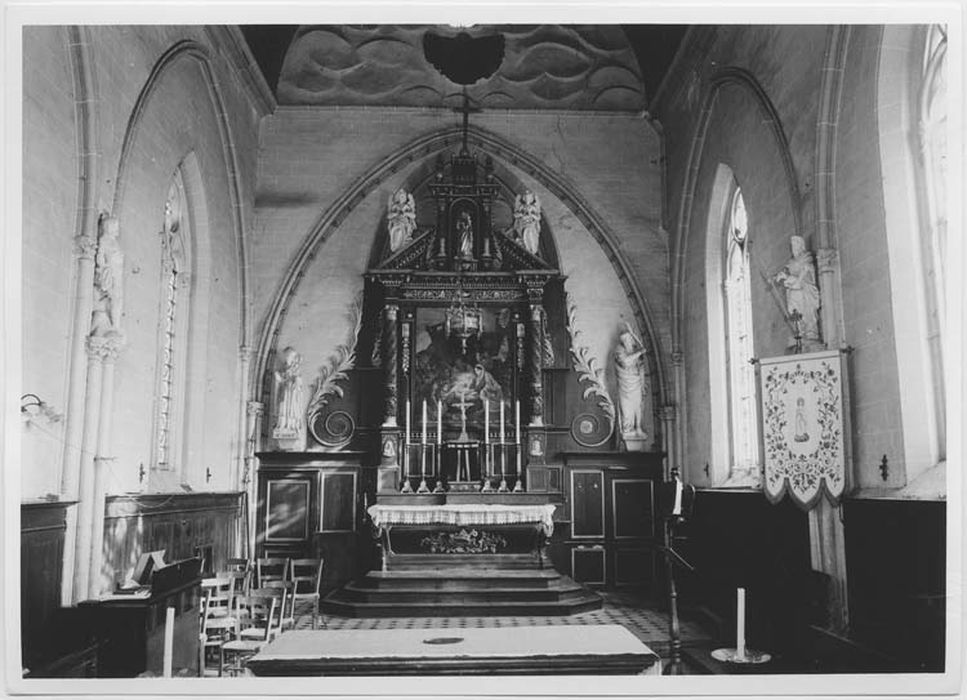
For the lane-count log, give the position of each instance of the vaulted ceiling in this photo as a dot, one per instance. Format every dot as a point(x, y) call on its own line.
point(551, 66)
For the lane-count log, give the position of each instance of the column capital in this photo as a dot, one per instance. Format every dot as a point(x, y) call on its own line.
point(254, 408)
point(827, 259)
point(85, 247)
point(391, 311)
point(669, 412)
point(105, 347)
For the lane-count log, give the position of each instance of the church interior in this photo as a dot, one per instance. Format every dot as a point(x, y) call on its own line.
point(425, 327)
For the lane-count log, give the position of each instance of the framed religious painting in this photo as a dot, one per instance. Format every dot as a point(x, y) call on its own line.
point(804, 426)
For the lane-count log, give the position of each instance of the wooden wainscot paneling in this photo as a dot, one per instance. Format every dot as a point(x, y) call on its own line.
point(633, 504)
point(42, 528)
point(182, 524)
point(587, 503)
point(589, 564)
point(311, 504)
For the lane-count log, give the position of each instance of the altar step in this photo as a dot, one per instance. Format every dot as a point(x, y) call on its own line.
point(460, 593)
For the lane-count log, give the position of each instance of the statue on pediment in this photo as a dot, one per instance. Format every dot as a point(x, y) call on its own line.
point(798, 277)
point(290, 424)
point(108, 275)
point(465, 235)
point(400, 219)
point(629, 371)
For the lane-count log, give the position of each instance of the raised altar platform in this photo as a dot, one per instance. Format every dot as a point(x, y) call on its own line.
point(548, 650)
point(455, 560)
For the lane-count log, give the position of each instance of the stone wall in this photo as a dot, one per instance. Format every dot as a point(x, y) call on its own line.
point(158, 98)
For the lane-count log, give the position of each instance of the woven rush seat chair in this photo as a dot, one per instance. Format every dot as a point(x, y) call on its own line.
point(306, 575)
point(257, 618)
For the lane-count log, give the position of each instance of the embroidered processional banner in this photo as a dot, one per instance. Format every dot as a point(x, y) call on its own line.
point(803, 427)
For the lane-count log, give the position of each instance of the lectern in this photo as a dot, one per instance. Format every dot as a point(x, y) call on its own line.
point(130, 626)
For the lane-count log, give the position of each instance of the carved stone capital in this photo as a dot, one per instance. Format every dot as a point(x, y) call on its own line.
point(669, 412)
point(827, 260)
point(245, 353)
point(85, 247)
point(254, 408)
point(105, 348)
point(678, 357)
point(392, 310)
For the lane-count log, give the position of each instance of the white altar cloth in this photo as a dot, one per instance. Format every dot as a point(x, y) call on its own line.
point(464, 515)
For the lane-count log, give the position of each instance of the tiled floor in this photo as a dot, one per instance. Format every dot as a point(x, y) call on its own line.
point(637, 615)
point(644, 621)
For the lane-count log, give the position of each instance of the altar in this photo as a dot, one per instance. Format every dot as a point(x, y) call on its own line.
point(490, 536)
point(544, 650)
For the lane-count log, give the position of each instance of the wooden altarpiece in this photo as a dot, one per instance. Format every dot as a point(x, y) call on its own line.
point(460, 344)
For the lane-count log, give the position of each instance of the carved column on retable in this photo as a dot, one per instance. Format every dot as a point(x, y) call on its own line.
point(390, 363)
point(389, 470)
point(535, 445)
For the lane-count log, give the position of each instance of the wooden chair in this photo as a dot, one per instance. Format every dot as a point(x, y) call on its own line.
point(241, 581)
point(306, 574)
point(282, 592)
point(270, 569)
point(216, 629)
point(256, 617)
point(219, 603)
point(238, 564)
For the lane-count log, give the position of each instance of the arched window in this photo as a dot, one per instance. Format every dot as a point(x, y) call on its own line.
point(912, 126)
point(734, 438)
point(743, 417)
point(172, 335)
point(932, 170)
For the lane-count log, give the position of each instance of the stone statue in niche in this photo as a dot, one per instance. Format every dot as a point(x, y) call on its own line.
point(400, 219)
point(108, 275)
point(527, 221)
point(465, 235)
point(798, 277)
point(289, 429)
point(629, 371)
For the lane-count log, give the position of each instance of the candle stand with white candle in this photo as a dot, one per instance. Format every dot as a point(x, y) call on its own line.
point(741, 654)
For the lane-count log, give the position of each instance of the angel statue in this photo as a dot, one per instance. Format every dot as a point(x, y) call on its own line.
point(631, 382)
point(401, 219)
point(108, 275)
point(527, 221)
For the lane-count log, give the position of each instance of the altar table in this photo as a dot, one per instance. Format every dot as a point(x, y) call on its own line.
point(539, 650)
point(464, 515)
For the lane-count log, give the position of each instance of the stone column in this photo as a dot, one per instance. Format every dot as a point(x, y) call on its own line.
point(536, 366)
point(391, 375)
point(74, 415)
point(85, 492)
point(254, 411)
point(244, 366)
point(827, 544)
point(668, 420)
point(108, 348)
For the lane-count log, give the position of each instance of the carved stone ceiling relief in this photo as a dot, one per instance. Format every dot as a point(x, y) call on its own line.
point(544, 67)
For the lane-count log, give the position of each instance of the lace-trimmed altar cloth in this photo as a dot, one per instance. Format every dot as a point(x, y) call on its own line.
point(464, 515)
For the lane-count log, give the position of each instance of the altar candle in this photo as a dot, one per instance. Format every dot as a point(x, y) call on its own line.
point(486, 421)
point(517, 419)
point(740, 624)
point(439, 422)
point(501, 422)
point(406, 441)
point(424, 421)
point(677, 510)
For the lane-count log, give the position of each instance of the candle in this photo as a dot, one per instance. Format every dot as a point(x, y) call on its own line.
point(740, 624)
point(501, 422)
point(406, 441)
point(677, 510)
point(486, 421)
point(424, 421)
point(439, 422)
point(517, 419)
